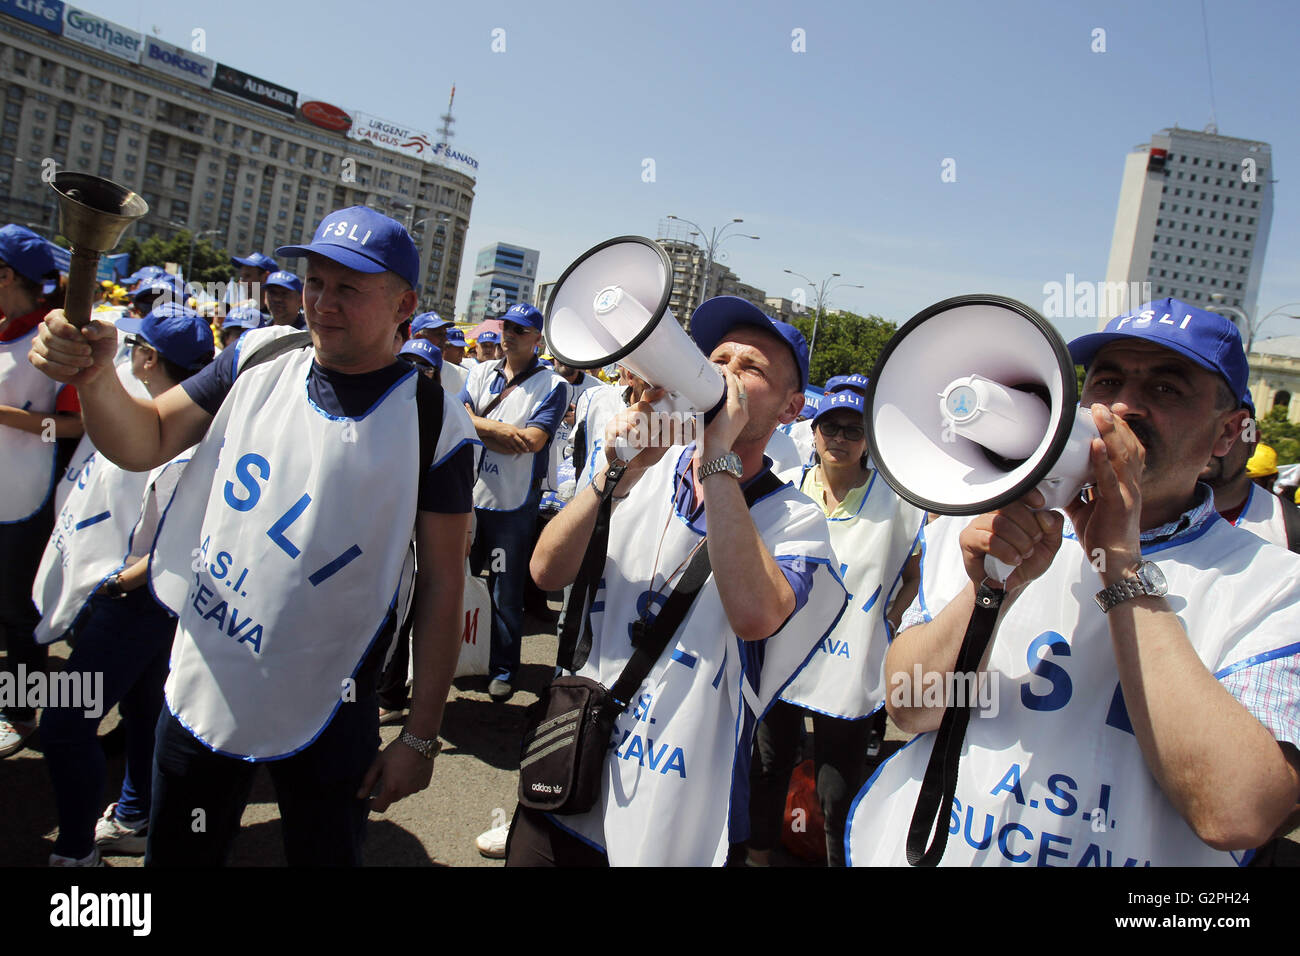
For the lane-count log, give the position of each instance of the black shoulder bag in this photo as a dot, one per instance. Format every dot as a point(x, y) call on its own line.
point(567, 736)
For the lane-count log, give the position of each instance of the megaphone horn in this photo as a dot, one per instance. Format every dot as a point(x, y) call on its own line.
point(973, 403)
point(611, 305)
point(93, 215)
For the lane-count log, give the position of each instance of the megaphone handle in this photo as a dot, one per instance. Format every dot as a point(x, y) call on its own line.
point(997, 570)
point(81, 286)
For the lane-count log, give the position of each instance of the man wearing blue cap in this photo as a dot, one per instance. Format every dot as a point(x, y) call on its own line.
point(250, 279)
point(1145, 674)
point(432, 328)
point(239, 320)
point(286, 591)
point(284, 299)
point(30, 406)
point(487, 346)
point(453, 350)
point(516, 404)
point(674, 788)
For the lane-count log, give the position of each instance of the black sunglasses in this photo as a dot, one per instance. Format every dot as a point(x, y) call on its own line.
point(849, 432)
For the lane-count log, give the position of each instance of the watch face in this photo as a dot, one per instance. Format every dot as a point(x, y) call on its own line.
point(1153, 579)
point(733, 464)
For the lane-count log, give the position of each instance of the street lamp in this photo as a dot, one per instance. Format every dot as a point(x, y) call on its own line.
point(189, 265)
point(1248, 326)
point(715, 239)
point(821, 289)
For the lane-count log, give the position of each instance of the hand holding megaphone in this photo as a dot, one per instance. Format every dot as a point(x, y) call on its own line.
point(972, 405)
point(1020, 539)
point(611, 305)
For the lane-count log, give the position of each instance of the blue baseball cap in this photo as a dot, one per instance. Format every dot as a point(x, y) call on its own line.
point(362, 239)
point(717, 316)
point(177, 333)
point(855, 381)
point(428, 321)
point(29, 255)
point(1207, 338)
point(489, 336)
point(286, 280)
point(521, 313)
point(163, 284)
point(422, 350)
point(455, 337)
point(243, 317)
point(844, 398)
point(257, 260)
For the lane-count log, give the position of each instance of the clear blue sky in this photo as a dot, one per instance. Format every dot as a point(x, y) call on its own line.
point(833, 155)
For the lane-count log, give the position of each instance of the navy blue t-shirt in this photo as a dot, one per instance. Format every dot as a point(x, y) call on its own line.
point(447, 488)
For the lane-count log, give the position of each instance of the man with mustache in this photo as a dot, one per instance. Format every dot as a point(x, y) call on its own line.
point(1155, 723)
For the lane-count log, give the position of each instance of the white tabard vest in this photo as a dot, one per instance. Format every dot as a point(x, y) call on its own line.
point(92, 537)
point(72, 475)
point(504, 480)
point(1263, 516)
point(801, 433)
point(29, 462)
point(1056, 777)
point(846, 676)
point(669, 775)
point(281, 554)
point(595, 407)
point(786, 462)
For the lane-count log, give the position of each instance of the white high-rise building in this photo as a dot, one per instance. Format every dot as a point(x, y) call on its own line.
point(1193, 218)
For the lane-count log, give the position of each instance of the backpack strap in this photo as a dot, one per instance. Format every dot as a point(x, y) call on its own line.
point(429, 396)
point(1291, 521)
point(274, 349)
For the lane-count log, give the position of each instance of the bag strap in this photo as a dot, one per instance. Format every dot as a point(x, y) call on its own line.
point(510, 387)
point(575, 639)
point(429, 399)
point(940, 782)
point(665, 624)
point(274, 349)
point(1291, 522)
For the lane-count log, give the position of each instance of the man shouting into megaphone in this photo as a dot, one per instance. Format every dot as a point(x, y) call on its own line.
point(1145, 658)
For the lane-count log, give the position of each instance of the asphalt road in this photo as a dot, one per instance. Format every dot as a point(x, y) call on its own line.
point(473, 786)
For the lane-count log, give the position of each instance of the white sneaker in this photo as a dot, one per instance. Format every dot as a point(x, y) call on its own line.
point(92, 860)
point(492, 844)
point(118, 838)
point(13, 735)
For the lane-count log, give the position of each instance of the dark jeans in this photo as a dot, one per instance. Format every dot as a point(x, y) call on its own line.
point(21, 545)
point(840, 754)
point(536, 841)
point(128, 642)
point(503, 545)
point(199, 796)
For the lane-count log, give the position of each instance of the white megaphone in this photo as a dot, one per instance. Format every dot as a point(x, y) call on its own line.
point(611, 305)
point(973, 403)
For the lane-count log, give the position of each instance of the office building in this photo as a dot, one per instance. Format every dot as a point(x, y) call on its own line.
point(241, 160)
point(503, 275)
point(1193, 219)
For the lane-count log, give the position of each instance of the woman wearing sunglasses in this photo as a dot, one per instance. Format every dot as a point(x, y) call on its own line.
point(873, 532)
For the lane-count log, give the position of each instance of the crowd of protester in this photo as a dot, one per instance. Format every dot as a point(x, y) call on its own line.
point(154, 459)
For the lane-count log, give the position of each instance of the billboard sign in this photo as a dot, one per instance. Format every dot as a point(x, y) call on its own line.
point(254, 89)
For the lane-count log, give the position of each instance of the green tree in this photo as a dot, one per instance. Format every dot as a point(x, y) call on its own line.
point(1281, 435)
point(211, 262)
point(846, 343)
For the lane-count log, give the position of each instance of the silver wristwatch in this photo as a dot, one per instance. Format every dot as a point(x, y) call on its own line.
point(1149, 582)
point(730, 463)
point(428, 749)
